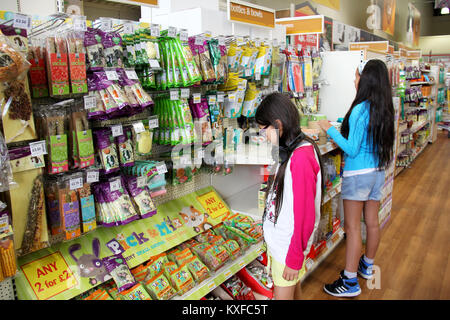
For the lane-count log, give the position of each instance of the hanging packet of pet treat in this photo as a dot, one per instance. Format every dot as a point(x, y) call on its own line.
point(77, 61)
point(57, 66)
point(159, 287)
point(117, 267)
point(96, 110)
point(141, 197)
point(112, 44)
point(121, 202)
point(82, 137)
point(125, 148)
point(55, 129)
point(107, 150)
point(88, 217)
point(94, 49)
point(69, 207)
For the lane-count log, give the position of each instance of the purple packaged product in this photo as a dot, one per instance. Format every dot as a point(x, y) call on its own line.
point(107, 150)
point(120, 202)
point(94, 49)
point(112, 42)
point(4, 213)
point(99, 201)
point(125, 148)
point(114, 90)
point(141, 197)
point(118, 268)
point(95, 113)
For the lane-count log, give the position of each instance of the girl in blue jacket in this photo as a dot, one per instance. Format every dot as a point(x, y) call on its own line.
point(367, 139)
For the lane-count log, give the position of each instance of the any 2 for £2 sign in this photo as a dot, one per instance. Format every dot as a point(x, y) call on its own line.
point(213, 205)
point(49, 276)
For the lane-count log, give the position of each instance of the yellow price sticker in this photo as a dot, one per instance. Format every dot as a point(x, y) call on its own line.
point(212, 204)
point(49, 276)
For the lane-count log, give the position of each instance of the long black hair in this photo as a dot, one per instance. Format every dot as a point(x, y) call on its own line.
point(277, 106)
point(374, 87)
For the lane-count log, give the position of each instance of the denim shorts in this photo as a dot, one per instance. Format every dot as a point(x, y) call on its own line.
point(363, 187)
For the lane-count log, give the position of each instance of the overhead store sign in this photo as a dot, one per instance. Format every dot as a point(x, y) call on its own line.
point(302, 25)
point(248, 13)
point(381, 46)
point(416, 54)
point(148, 3)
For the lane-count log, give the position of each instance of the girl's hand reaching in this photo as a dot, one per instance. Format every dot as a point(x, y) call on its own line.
point(325, 125)
point(290, 274)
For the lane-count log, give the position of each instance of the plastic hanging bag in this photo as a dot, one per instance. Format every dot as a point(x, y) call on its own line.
point(6, 176)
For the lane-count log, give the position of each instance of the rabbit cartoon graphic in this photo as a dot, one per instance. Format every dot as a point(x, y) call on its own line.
point(90, 265)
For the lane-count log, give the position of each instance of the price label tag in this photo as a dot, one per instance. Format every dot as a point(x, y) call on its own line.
point(183, 35)
point(212, 99)
point(211, 285)
point(76, 183)
point(115, 185)
point(197, 97)
point(231, 97)
point(131, 74)
point(22, 21)
point(174, 95)
point(220, 97)
point(92, 176)
point(329, 244)
point(154, 30)
point(341, 233)
point(141, 181)
point(198, 40)
point(111, 75)
point(154, 63)
point(228, 274)
point(309, 264)
point(138, 127)
point(221, 41)
point(333, 193)
point(128, 28)
point(241, 264)
point(257, 76)
point(266, 82)
point(90, 102)
point(79, 24)
point(153, 123)
point(117, 130)
point(38, 148)
point(161, 168)
point(172, 32)
point(185, 93)
point(106, 25)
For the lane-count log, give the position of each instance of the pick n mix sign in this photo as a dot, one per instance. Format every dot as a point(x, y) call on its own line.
point(248, 13)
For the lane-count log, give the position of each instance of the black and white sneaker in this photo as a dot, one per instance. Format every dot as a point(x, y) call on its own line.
point(343, 287)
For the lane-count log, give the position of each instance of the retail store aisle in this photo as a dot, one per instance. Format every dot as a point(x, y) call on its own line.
point(413, 255)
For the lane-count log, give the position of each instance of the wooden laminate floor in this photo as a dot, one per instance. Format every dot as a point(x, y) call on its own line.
point(413, 255)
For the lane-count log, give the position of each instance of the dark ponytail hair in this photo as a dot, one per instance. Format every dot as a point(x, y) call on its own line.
point(375, 88)
point(277, 106)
